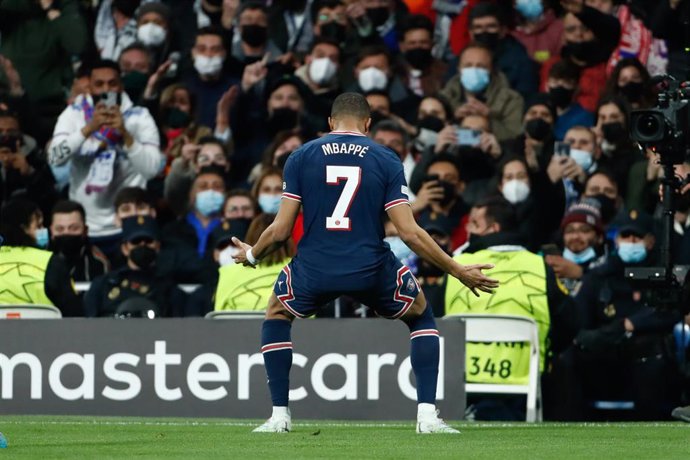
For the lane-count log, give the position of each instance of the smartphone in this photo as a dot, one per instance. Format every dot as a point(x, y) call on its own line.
point(561, 149)
point(110, 99)
point(430, 178)
point(550, 250)
point(469, 137)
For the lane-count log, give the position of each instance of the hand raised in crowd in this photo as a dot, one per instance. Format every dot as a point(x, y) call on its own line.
point(230, 8)
point(572, 6)
point(189, 151)
point(562, 167)
point(472, 107)
point(573, 171)
point(654, 169)
point(155, 78)
point(14, 81)
point(489, 144)
point(564, 268)
point(15, 160)
point(225, 103)
point(448, 136)
point(430, 192)
point(101, 117)
point(355, 10)
point(254, 73)
point(530, 152)
point(472, 277)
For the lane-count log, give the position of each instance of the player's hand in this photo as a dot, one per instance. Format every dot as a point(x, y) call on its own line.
point(472, 277)
point(241, 256)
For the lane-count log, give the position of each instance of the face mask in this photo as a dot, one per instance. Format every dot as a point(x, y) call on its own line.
point(372, 78)
point(254, 35)
point(431, 123)
point(419, 58)
point(282, 119)
point(614, 133)
point(322, 71)
point(579, 257)
point(134, 83)
point(490, 39)
point(582, 51)
point(209, 202)
point(70, 246)
point(334, 31)
point(226, 255)
point(607, 207)
point(515, 191)
point(399, 248)
point(474, 79)
point(151, 34)
point(282, 159)
point(379, 15)
point(632, 253)
point(583, 158)
point(270, 204)
point(143, 257)
point(425, 138)
point(537, 129)
point(42, 238)
point(632, 91)
point(208, 65)
point(176, 118)
point(448, 193)
point(529, 9)
point(561, 96)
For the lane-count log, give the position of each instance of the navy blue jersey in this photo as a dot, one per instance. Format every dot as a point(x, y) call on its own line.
point(345, 182)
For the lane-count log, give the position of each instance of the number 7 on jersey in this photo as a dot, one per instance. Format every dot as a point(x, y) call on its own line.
point(353, 176)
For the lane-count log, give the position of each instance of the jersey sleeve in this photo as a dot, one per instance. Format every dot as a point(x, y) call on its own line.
point(292, 184)
point(396, 188)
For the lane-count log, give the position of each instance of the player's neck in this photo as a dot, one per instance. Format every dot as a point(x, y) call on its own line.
point(351, 127)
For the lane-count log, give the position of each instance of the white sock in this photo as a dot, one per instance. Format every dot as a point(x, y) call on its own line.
point(280, 411)
point(426, 409)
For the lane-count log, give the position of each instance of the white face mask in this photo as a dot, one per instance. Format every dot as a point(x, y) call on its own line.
point(515, 191)
point(208, 65)
point(322, 71)
point(372, 78)
point(151, 34)
point(225, 256)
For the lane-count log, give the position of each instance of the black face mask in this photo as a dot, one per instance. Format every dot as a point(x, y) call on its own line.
point(70, 246)
point(419, 58)
point(281, 160)
point(614, 133)
point(334, 31)
point(561, 96)
point(632, 91)
point(432, 123)
point(254, 35)
point(582, 51)
point(537, 129)
point(282, 119)
point(134, 83)
point(490, 39)
point(449, 193)
point(143, 257)
point(607, 207)
point(176, 118)
point(473, 238)
point(378, 15)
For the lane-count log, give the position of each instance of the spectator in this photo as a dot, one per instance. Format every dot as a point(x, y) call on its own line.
point(385, 17)
point(424, 75)
point(393, 136)
point(240, 204)
point(431, 279)
point(602, 187)
point(136, 66)
point(562, 87)
point(135, 290)
point(535, 144)
point(268, 190)
point(115, 27)
point(539, 29)
point(667, 23)
point(489, 27)
point(253, 43)
point(133, 201)
point(111, 144)
point(612, 131)
point(583, 151)
point(40, 277)
point(23, 170)
point(481, 90)
point(320, 76)
point(69, 238)
point(290, 26)
point(433, 114)
point(276, 154)
point(338, 21)
point(154, 31)
point(631, 80)
point(644, 181)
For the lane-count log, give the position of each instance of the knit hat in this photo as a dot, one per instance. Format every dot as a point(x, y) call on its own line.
point(154, 7)
point(585, 212)
point(541, 99)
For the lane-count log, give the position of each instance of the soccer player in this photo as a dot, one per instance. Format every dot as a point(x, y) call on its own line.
point(344, 181)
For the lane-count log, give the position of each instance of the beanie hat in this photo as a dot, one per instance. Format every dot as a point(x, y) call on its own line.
point(585, 212)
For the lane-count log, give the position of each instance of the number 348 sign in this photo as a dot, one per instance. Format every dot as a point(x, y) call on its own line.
point(500, 362)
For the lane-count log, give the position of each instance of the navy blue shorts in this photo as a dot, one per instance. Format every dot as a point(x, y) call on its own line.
point(390, 295)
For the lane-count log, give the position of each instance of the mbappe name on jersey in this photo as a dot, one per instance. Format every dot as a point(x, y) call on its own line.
point(333, 148)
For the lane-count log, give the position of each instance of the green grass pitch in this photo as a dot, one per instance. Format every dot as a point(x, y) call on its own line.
point(99, 438)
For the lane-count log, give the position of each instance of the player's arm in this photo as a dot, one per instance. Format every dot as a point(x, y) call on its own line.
point(424, 246)
point(273, 237)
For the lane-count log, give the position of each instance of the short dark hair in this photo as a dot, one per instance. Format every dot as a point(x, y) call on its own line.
point(320, 40)
point(445, 158)
point(245, 193)
point(618, 101)
point(351, 105)
point(211, 30)
point(390, 126)
point(211, 169)
point(215, 141)
point(484, 9)
point(104, 64)
point(373, 50)
point(68, 207)
point(499, 211)
point(252, 5)
point(320, 4)
point(565, 70)
point(416, 22)
point(15, 216)
point(136, 195)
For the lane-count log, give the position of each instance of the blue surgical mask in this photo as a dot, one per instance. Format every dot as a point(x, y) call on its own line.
point(474, 79)
point(529, 9)
point(42, 238)
point(581, 257)
point(399, 248)
point(632, 253)
point(269, 203)
point(209, 202)
point(583, 158)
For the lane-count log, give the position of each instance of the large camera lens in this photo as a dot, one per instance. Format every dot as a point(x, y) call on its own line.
point(648, 126)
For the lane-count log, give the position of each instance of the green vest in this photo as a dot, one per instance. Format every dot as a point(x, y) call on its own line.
point(242, 289)
point(522, 292)
point(22, 275)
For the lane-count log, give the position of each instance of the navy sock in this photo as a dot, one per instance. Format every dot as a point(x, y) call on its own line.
point(276, 348)
point(424, 355)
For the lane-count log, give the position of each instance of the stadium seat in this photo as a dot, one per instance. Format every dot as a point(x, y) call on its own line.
point(29, 311)
point(506, 328)
point(235, 315)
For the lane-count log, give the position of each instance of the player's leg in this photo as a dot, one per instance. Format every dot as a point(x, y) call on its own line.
point(276, 347)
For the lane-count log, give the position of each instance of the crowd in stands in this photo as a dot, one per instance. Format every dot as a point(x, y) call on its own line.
point(138, 137)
